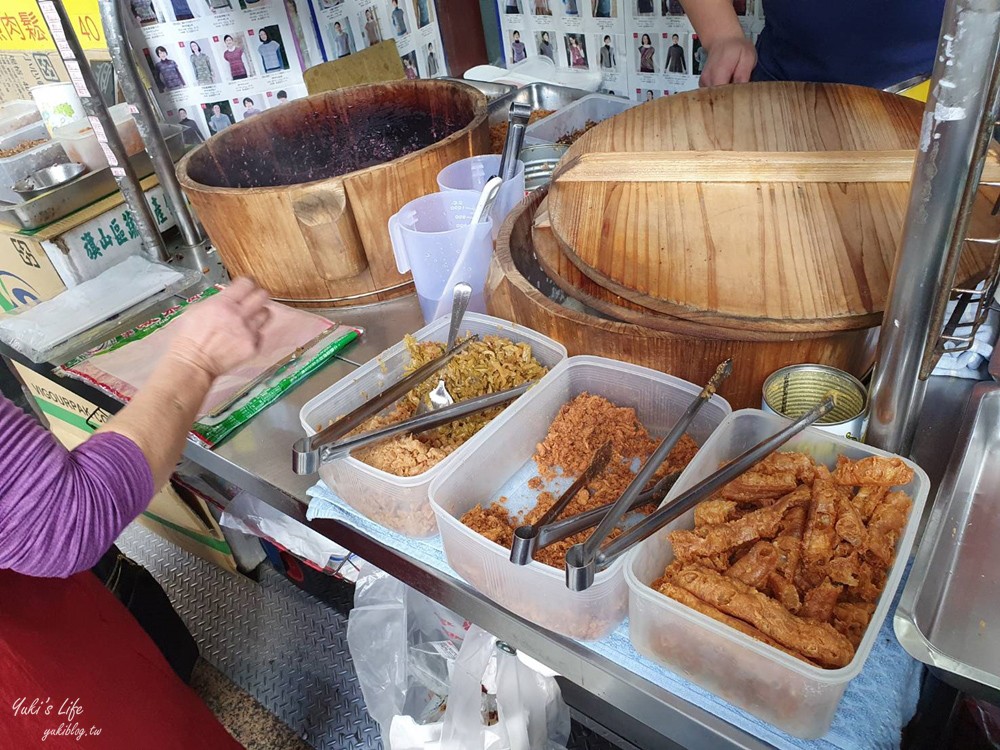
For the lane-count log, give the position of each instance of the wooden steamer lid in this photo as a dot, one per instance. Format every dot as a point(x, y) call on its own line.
point(772, 248)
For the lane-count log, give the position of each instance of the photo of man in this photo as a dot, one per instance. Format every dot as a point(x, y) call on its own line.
point(432, 63)
point(424, 11)
point(604, 8)
point(192, 134)
point(676, 59)
point(699, 55)
point(220, 116)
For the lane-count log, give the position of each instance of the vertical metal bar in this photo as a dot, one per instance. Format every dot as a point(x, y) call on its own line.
point(145, 118)
point(967, 56)
point(71, 51)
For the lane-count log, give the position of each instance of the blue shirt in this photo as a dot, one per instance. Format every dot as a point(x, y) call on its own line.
point(874, 43)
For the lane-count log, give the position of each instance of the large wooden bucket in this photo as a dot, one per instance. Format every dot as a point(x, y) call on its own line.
point(299, 196)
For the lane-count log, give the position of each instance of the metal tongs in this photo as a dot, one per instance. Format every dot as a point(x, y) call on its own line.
point(424, 422)
point(307, 452)
point(521, 552)
point(584, 560)
point(517, 122)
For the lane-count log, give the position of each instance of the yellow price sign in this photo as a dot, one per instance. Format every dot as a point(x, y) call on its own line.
point(23, 28)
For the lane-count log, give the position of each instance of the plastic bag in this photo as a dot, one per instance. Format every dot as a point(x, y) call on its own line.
point(431, 685)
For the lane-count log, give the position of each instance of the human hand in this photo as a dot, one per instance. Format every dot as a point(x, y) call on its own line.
point(222, 332)
point(730, 60)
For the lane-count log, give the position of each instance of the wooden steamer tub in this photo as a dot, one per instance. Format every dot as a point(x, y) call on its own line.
point(299, 196)
point(677, 271)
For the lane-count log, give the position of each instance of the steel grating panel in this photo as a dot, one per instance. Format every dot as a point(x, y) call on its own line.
point(282, 646)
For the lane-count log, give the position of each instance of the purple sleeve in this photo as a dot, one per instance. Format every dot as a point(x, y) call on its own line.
point(61, 510)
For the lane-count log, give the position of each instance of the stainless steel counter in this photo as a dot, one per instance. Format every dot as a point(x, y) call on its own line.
point(258, 460)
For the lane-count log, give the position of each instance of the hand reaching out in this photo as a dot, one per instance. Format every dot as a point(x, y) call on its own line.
point(222, 332)
point(730, 60)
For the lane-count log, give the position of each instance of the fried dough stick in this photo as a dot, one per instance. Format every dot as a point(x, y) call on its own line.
point(885, 472)
point(820, 536)
point(820, 602)
point(758, 524)
point(885, 527)
point(690, 600)
point(785, 592)
point(850, 527)
point(756, 566)
point(852, 619)
point(817, 641)
point(713, 512)
point(789, 542)
point(759, 487)
point(868, 498)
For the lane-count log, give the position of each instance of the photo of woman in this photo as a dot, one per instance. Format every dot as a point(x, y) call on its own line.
point(576, 51)
point(373, 34)
point(144, 12)
point(676, 59)
point(649, 95)
point(644, 8)
point(542, 8)
point(512, 7)
point(182, 9)
point(607, 54)
point(240, 66)
point(250, 107)
point(220, 116)
point(398, 17)
point(517, 49)
point(545, 45)
point(423, 9)
point(343, 38)
point(647, 54)
point(604, 8)
point(192, 133)
point(699, 56)
point(271, 50)
point(204, 73)
point(432, 63)
point(215, 5)
point(410, 69)
point(166, 72)
point(571, 8)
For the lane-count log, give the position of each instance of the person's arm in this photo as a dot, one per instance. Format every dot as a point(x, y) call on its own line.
point(731, 56)
point(60, 510)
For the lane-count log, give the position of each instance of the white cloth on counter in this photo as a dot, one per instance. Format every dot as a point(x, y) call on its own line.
point(48, 324)
point(968, 364)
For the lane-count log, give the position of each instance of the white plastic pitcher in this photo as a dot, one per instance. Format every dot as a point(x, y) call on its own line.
point(427, 236)
point(474, 172)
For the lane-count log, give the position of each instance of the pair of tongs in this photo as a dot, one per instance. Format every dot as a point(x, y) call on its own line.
point(306, 452)
point(530, 539)
point(424, 422)
point(517, 123)
point(584, 560)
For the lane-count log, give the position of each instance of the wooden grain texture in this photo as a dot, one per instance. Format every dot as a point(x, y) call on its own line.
point(376, 64)
point(746, 166)
point(776, 256)
point(302, 241)
point(511, 296)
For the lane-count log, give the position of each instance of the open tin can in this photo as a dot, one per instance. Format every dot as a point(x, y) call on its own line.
point(794, 390)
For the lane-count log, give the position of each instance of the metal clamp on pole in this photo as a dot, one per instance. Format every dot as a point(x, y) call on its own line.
point(112, 17)
point(583, 563)
point(87, 88)
point(946, 173)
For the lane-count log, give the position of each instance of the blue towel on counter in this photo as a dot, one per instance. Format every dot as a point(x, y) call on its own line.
point(876, 706)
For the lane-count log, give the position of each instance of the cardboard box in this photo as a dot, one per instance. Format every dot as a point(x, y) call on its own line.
point(27, 275)
point(182, 518)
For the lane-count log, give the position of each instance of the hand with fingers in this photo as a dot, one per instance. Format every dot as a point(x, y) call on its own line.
point(223, 332)
point(731, 59)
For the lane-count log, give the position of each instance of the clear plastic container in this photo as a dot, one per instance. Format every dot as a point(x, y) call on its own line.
point(19, 166)
point(17, 114)
point(795, 696)
point(80, 142)
point(500, 464)
point(573, 117)
point(401, 503)
point(31, 132)
point(474, 172)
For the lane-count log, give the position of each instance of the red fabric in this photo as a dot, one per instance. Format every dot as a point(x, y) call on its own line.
point(72, 647)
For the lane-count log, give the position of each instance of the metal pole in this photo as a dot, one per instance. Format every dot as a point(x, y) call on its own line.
point(145, 119)
point(967, 55)
point(88, 90)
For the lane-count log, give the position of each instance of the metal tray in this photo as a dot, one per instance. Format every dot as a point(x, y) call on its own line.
point(536, 95)
point(492, 90)
point(949, 614)
point(61, 202)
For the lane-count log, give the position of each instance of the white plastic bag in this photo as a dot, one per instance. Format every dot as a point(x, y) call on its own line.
point(431, 685)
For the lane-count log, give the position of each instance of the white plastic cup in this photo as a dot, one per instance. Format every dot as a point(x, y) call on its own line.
point(427, 237)
point(474, 172)
point(58, 104)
